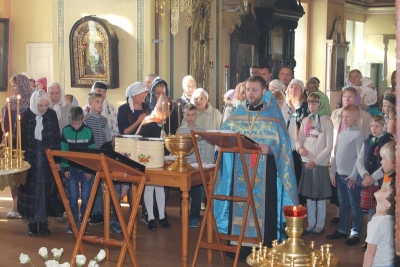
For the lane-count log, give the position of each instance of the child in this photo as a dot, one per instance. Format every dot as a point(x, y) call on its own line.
point(344, 176)
point(77, 134)
point(41, 83)
point(391, 122)
point(99, 125)
point(314, 143)
point(368, 161)
point(380, 230)
point(388, 103)
point(280, 98)
point(151, 126)
point(190, 115)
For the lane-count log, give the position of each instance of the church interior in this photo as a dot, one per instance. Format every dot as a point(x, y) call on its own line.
point(216, 41)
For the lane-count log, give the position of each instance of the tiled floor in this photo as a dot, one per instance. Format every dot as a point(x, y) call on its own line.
point(158, 248)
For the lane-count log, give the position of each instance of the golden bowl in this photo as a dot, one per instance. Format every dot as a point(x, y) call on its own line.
point(179, 145)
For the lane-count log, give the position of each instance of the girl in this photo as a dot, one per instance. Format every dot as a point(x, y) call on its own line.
point(314, 144)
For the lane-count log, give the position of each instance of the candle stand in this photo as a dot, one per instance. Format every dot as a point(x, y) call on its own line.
point(292, 251)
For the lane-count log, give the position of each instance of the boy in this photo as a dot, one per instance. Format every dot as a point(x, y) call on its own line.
point(99, 125)
point(190, 115)
point(77, 134)
point(344, 176)
point(380, 231)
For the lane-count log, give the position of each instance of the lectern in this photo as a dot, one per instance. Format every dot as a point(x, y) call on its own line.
point(232, 143)
point(107, 169)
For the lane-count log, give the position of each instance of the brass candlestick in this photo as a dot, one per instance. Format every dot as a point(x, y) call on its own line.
point(179, 145)
point(292, 251)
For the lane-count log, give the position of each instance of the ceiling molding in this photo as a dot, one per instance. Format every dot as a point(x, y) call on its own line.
point(374, 4)
point(370, 10)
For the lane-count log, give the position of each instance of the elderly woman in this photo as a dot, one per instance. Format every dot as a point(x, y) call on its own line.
point(19, 86)
point(208, 118)
point(109, 111)
point(40, 131)
point(131, 114)
point(298, 109)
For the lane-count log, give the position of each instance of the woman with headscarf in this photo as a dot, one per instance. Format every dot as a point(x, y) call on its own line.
point(131, 114)
point(19, 86)
point(298, 110)
point(39, 132)
point(109, 111)
point(158, 88)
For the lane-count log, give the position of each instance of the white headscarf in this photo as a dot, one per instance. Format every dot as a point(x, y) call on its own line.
point(56, 107)
point(134, 89)
point(199, 90)
point(36, 96)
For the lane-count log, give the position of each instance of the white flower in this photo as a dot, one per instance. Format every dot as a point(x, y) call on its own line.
point(93, 263)
point(51, 263)
point(43, 252)
point(80, 259)
point(57, 253)
point(23, 258)
point(65, 264)
point(101, 255)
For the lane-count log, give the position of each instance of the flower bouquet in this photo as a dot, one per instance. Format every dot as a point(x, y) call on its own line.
point(55, 262)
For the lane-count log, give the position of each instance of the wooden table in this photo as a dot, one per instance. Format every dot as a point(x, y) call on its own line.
point(182, 180)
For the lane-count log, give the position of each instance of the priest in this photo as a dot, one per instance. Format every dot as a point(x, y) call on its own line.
point(259, 118)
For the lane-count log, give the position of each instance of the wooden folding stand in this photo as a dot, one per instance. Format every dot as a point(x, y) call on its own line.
point(107, 169)
point(232, 143)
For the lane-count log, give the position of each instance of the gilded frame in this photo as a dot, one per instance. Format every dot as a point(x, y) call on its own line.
point(4, 35)
point(93, 53)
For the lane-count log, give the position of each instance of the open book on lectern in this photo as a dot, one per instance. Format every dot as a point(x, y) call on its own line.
point(111, 154)
point(226, 138)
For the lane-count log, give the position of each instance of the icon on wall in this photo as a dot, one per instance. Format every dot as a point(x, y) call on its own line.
point(94, 53)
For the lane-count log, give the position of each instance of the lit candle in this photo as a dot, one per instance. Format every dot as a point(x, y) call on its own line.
point(18, 125)
point(10, 127)
point(169, 119)
point(179, 118)
point(162, 116)
point(2, 126)
point(19, 136)
point(5, 139)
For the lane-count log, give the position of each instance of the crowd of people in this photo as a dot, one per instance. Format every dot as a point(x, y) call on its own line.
point(309, 155)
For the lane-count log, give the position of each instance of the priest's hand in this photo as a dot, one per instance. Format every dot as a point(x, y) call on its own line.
point(264, 149)
point(303, 152)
